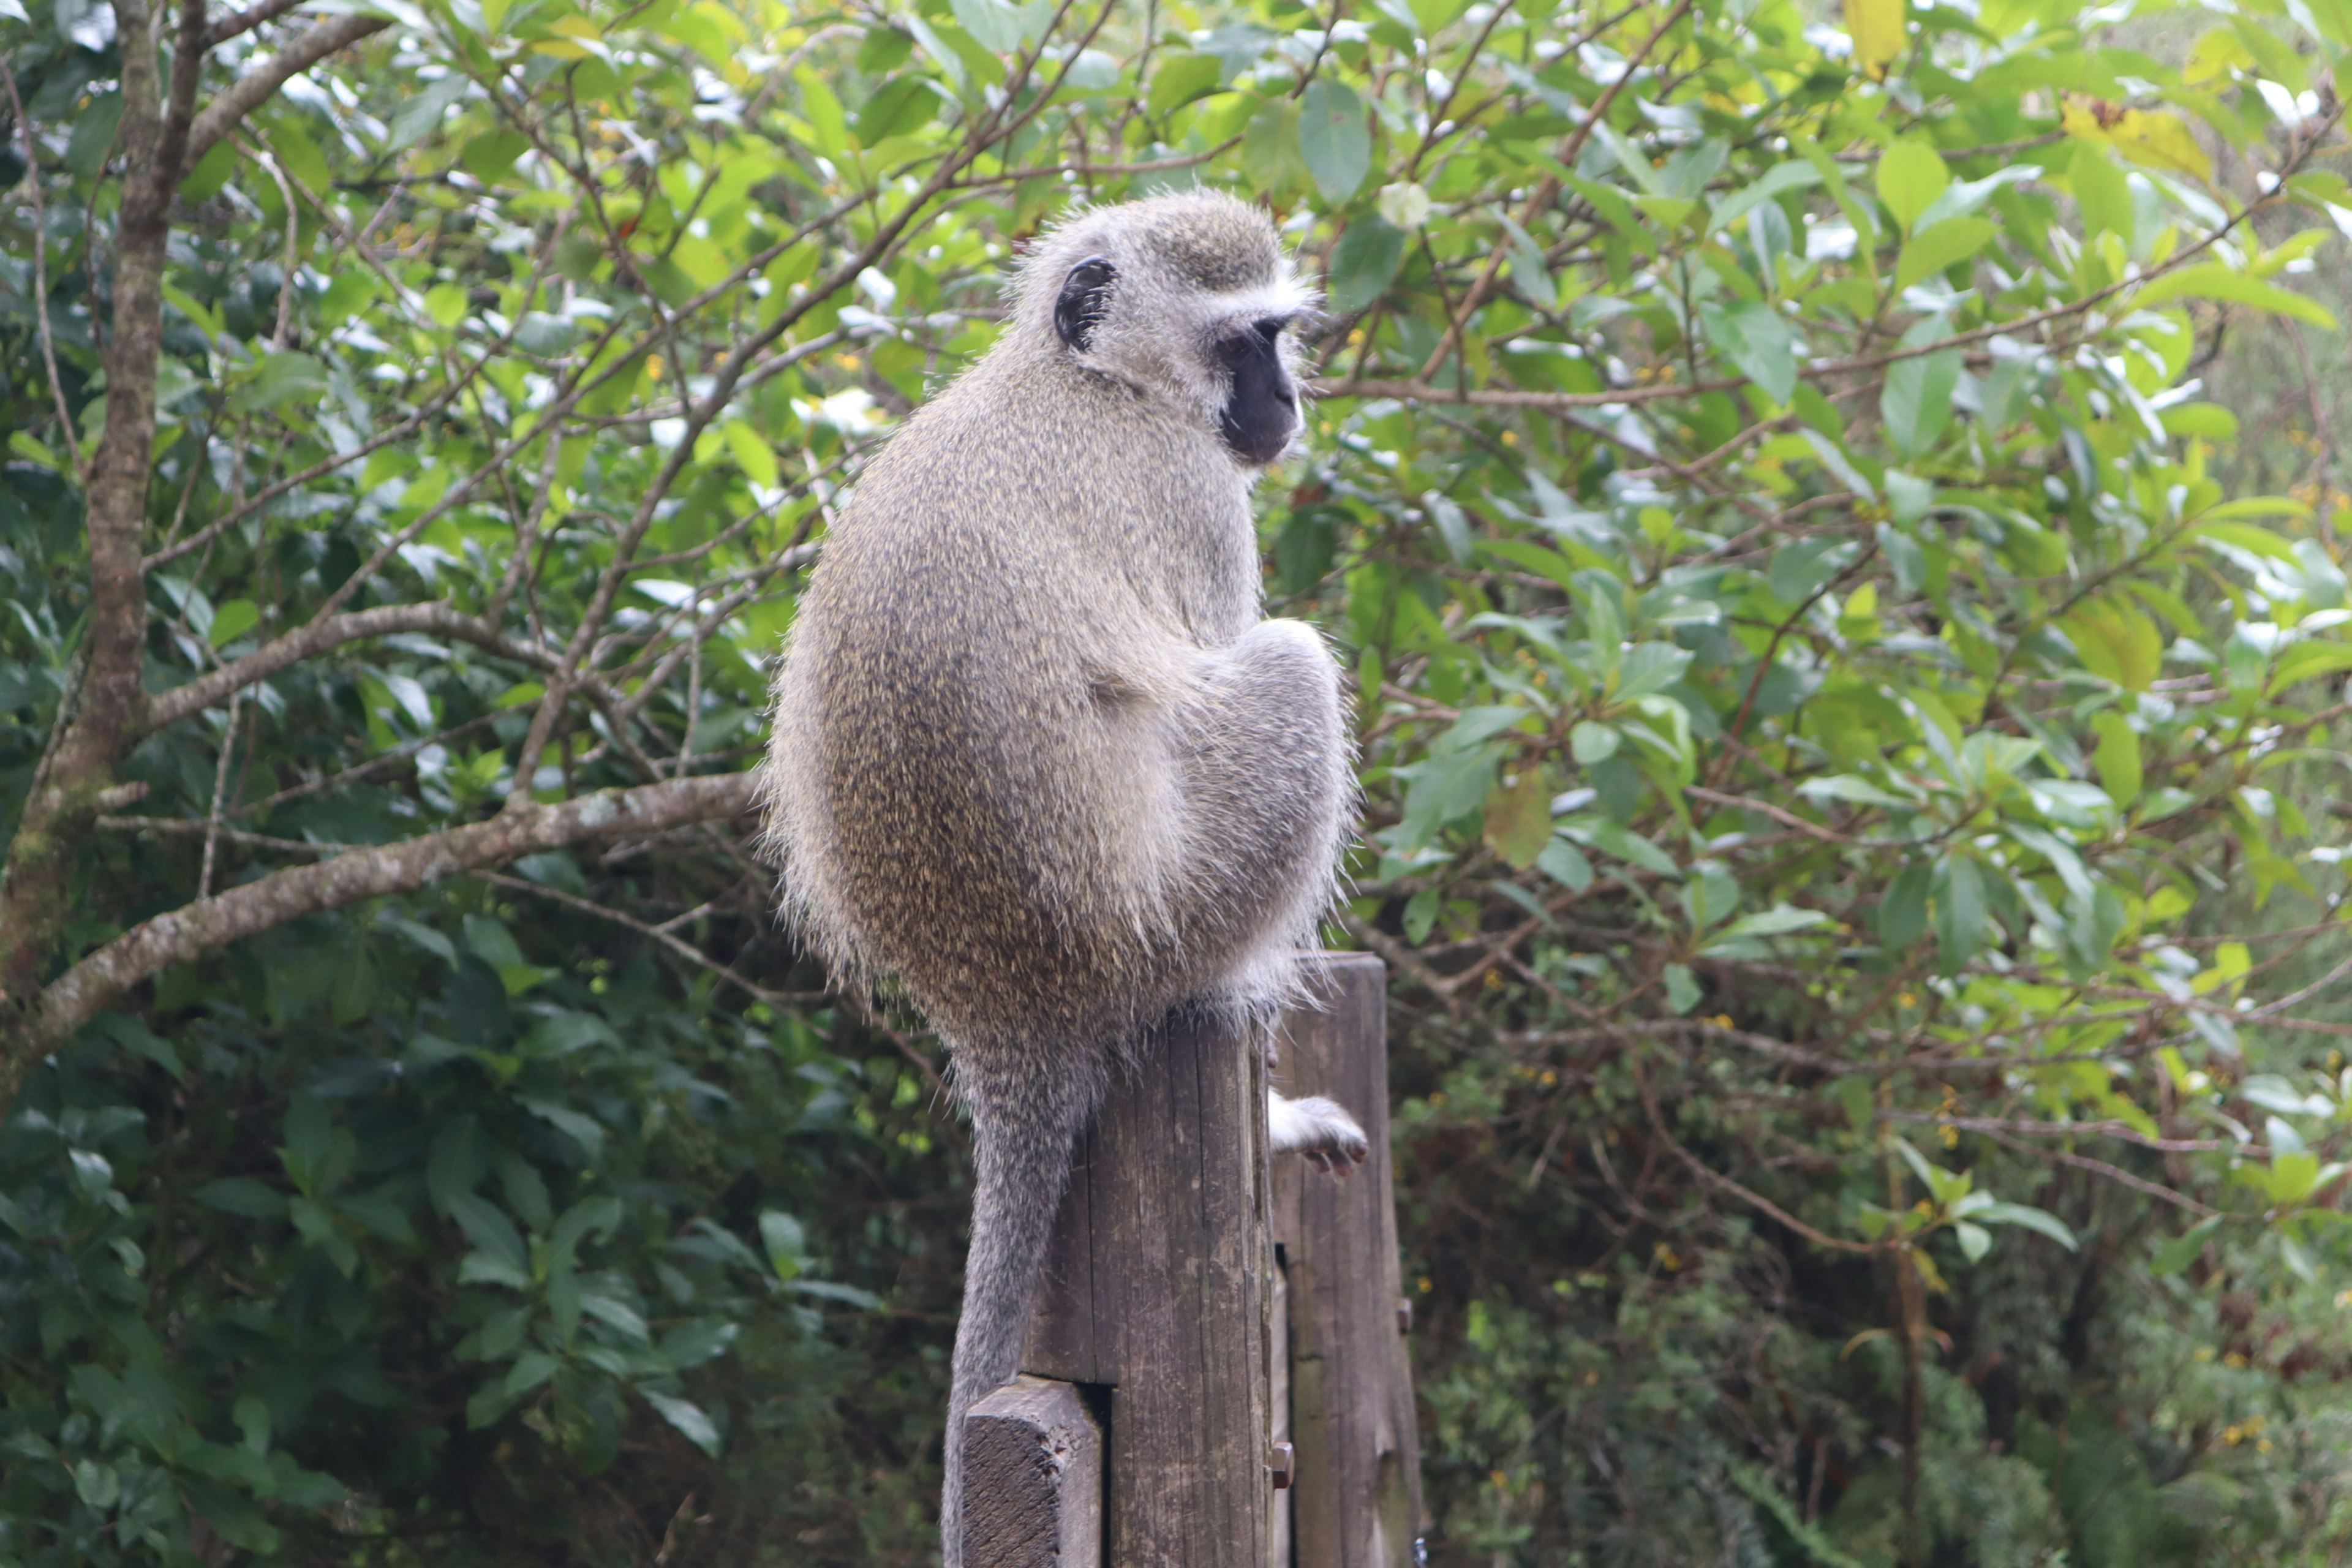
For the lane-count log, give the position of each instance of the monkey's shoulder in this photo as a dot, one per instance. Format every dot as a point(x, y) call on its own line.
point(1022, 438)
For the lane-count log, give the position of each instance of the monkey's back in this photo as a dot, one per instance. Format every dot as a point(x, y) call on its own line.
point(980, 789)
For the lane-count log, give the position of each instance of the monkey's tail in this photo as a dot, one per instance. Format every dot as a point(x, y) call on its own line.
point(1026, 1125)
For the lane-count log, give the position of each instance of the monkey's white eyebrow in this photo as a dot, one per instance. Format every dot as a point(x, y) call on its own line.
point(1287, 296)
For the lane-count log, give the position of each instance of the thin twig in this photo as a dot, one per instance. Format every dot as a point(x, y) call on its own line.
point(684, 949)
point(41, 273)
point(220, 793)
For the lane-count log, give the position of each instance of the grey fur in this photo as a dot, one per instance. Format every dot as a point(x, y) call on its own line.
point(1037, 756)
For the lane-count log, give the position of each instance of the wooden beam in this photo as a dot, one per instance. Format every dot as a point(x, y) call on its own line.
point(1033, 1479)
point(1357, 1501)
point(1157, 1286)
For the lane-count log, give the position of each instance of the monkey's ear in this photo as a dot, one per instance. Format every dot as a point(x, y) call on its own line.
point(1084, 301)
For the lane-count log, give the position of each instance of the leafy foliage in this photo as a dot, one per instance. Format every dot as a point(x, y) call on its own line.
point(1845, 761)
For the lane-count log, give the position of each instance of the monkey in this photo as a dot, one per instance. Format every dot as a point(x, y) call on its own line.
point(1037, 756)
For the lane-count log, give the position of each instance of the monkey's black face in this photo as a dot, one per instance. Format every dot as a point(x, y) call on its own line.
point(1261, 413)
point(1261, 409)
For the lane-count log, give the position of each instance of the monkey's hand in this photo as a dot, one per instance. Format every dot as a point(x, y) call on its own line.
point(1319, 1128)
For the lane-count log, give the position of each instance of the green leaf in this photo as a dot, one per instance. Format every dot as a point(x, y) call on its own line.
point(1959, 913)
point(1590, 742)
point(786, 1243)
point(96, 1485)
point(138, 1039)
point(900, 106)
point(1611, 205)
point(422, 115)
point(285, 377)
point(1529, 270)
point(1333, 138)
point(2118, 758)
point(1911, 176)
point(486, 1268)
point(1612, 838)
point(232, 621)
point(2100, 193)
point(1180, 78)
point(1271, 153)
point(618, 1316)
point(243, 1195)
point(1479, 724)
point(1793, 175)
point(381, 1213)
point(584, 1129)
point(1518, 818)
point(994, 24)
point(1682, 988)
point(1802, 568)
point(833, 1290)
point(2031, 1219)
point(1565, 863)
point(530, 1369)
point(2216, 280)
point(2216, 526)
point(93, 135)
point(1363, 263)
point(1778, 921)
point(691, 1343)
point(1848, 787)
point(1421, 912)
point(688, 1417)
point(2307, 661)
point(489, 1230)
point(490, 156)
point(2177, 1253)
point(1756, 337)
point(1940, 245)
point(1918, 401)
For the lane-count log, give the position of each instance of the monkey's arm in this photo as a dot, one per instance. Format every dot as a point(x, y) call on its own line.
point(1268, 795)
point(1268, 789)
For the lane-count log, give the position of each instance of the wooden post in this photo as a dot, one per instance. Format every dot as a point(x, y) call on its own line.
point(1033, 1479)
point(1156, 1285)
point(1356, 1503)
point(1164, 1313)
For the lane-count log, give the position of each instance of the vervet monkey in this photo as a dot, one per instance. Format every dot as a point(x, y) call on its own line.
point(1037, 756)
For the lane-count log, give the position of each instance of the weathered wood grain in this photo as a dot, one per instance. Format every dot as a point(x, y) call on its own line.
point(1156, 1286)
point(1357, 1501)
point(1277, 1351)
point(1033, 1479)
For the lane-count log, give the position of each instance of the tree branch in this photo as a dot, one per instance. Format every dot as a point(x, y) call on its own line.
point(188, 76)
point(212, 690)
point(82, 992)
point(241, 22)
point(223, 114)
point(1512, 397)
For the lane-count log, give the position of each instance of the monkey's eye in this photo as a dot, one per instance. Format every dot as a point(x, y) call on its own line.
point(1269, 328)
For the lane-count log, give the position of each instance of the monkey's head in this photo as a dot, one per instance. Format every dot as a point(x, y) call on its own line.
point(1188, 297)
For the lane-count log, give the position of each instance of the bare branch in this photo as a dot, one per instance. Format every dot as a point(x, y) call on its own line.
point(201, 827)
point(238, 23)
point(1510, 398)
point(79, 995)
point(223, 114)
point(318, 637)
point(220, 793)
